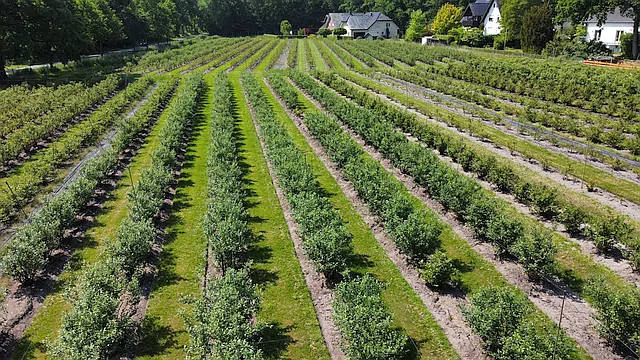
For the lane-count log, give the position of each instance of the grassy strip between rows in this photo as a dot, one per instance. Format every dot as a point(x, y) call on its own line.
point(181, 262)
point(407, 309)
point(286, 303)
point(302, 56)
point(315, 55)
point(476, 272)
point(45, 325)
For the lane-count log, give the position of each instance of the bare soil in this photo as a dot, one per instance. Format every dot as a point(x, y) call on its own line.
point(444, 307)
point(316, 282)
point(578, 316)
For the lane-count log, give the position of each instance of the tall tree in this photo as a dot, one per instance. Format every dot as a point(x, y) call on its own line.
point(580, 10)
point(417, 26)
point(511, 14)
point(448, 18)
point(537, 28)
point(101, 22)
point(11, 29)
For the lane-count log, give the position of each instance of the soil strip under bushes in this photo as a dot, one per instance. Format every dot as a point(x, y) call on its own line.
point(444, 307)
point(578, 316)
point(316, 282)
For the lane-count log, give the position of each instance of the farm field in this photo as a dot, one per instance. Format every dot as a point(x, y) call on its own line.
point(314, 198)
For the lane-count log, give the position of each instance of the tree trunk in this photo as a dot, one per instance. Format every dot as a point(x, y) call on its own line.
point(634, 46)
point(3, 71)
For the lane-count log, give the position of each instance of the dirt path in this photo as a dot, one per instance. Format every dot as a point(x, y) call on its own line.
point(444, 307)
point(578, 316)
point(281, 63)
point(321, 295)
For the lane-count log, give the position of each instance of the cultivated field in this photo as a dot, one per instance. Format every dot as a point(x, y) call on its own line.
point(263, 198)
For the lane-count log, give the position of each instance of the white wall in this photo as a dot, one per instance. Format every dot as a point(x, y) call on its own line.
point(379, 28)
point(491, 21)
point(608, 35)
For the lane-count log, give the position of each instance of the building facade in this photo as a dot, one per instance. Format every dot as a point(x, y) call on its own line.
point(610, 31)
point(362, 25)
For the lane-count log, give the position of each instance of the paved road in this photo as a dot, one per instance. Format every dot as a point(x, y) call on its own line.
point(97, 56)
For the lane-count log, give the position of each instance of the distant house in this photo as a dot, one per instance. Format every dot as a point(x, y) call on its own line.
point(610, 31)
point(370, 24)
point(483, 14)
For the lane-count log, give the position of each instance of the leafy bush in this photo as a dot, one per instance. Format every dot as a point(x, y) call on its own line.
point(605, 232)
point(618, 312)
point(220, 325)
point(364, 321)
point(536, 252)
point(439, 270)
point(324, 32)
point(572, 217)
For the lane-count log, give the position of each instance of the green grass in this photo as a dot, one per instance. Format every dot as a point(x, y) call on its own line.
point(315, 54)
point(407, 308)
point(181, 263)
point(286, 302)
point(476, 272)
point(302, 56)
point(47, 321)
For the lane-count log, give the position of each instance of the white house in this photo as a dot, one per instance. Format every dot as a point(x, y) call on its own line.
point(485, 14)
point(370, 24)
point(491, 19)
point(610, 31)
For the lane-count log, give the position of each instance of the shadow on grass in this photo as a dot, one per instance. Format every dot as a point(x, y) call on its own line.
point(274, 340)
point(156, 338)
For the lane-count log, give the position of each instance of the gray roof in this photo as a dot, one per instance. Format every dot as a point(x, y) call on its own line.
point(612, 17)
point(478, 8)
point(355, 21)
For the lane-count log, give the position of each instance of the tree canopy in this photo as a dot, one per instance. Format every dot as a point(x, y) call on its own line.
point(417, 26)
point(447, 18)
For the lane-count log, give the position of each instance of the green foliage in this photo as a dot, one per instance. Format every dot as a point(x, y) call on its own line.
point(605, 232)
point(324, 32)
point(364, 321)
point(439, 270)
point(417, 26)
point(536, 252)
point(285, 27)
point(500, 315)
point(537, 28)
point(325, 240)
point(473, 37)
point(626, 45)
point(221, 324)
point(512, 18)
point(448, 18)
point(618, 312)
point(339, 31)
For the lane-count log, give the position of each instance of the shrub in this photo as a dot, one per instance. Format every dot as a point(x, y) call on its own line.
point(419, 235)
point(606, 231)
point(536, 252)
point(572, 217)
point(503, 231)
point(439, 270)
point(339, 31)
point(364, 321)
point(324, 32)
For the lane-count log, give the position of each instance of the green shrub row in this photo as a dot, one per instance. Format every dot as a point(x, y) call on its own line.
point(360, 315)
point(292, 57)
point(604, 231)
point(346, 58)
point(367, 59)
point(490, 217)
point(99, 325)
point(26, 182)
point(29, 133)
point(27, 255)
point(225, 222)
point(220, 324)
point(365, 323)
point(372, 52)
point(325, 239)
point(309, 56)
point(436, 268)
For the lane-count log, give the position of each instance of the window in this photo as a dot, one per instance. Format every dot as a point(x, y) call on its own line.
point(618, 35)
point(598, 34)
point(490, 19)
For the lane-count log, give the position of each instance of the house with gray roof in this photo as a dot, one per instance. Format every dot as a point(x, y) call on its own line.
point(362, 25)
point(483, 14)
point(610, 30)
